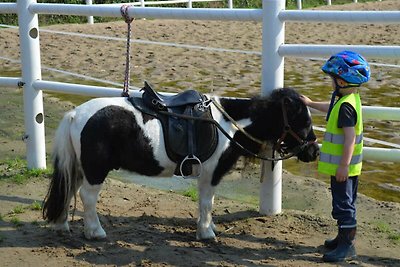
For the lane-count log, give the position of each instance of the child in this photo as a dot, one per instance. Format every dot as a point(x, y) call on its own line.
point(341, 152)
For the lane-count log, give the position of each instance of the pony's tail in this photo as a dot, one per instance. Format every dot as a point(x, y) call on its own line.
point(67, 175)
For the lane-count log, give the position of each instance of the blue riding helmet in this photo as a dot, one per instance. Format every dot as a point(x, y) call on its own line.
point(349, 66)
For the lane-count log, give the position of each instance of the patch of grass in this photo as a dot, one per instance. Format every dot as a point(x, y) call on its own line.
point(192, 193)
point(18, 210)
point(38, 172)
point(392, 235)
point(36, 205)
point(16, 171)
point(2, 238)
point(1, 217)
point(383, 227)
point(395, 237)
point(19, 179)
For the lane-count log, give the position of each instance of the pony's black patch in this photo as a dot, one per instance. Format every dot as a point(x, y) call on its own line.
point(112, 139)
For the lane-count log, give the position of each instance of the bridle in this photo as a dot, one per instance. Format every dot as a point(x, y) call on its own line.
point(287, 129)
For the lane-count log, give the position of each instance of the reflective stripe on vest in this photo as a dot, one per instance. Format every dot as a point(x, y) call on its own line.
point(336, 159)
point(339, 138)
point(332, 145)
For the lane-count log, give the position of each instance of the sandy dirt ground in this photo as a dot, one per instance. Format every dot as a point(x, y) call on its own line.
point(149, 227)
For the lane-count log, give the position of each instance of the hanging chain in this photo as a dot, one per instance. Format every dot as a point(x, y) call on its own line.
point(128, 20)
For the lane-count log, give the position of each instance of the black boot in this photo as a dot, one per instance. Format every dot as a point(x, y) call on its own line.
point(331, 243)
point(345, 249)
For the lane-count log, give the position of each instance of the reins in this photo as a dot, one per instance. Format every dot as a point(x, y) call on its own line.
point(128, 20)
point(210, 120)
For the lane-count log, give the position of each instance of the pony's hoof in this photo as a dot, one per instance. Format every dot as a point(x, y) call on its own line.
point(208, 235)
point(96, 234)
point(61, 227)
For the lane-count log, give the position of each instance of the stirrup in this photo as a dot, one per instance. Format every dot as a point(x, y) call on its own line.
point(192, 157)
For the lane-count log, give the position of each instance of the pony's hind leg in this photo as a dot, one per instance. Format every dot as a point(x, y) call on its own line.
point(89, 195)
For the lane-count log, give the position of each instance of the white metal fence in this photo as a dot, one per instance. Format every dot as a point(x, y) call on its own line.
point(143, 3)
point(273, 16)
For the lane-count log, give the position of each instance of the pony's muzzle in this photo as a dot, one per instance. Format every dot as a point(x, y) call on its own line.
point(309, 153)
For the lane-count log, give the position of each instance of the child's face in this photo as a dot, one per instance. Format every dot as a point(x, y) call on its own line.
point(339, 82)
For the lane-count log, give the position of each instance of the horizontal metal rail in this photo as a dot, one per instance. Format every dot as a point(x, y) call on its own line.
point(381, 17)
point(78, 89)
point(8, 8)
point(381, 154)
point(311, 50)
point(150, 12)
point(169, 2)
point(10, 81)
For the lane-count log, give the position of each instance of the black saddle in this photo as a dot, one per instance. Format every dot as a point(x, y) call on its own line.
point(188, 139)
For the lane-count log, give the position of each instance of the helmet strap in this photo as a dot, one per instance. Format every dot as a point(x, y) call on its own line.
point(334, 94)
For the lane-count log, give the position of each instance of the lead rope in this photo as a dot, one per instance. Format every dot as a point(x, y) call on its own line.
point(128, 20)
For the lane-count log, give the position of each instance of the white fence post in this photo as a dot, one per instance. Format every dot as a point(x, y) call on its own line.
point(329, 2)
point(89, 18)
point(33, 99)
point(273, 36)
point(189, 4)
point(142, 3)
point(299, 4)
point(230, 4)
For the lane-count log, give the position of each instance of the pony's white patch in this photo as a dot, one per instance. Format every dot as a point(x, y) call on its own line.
point(152, 129)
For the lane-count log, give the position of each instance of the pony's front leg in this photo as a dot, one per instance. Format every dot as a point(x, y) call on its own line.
point(205, 224)
point(89, 195)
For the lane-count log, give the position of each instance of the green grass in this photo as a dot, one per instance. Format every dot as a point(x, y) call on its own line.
point(16, 171)
point(392, 235)
point(36, 205)
point(191, 192)
point(18, 210)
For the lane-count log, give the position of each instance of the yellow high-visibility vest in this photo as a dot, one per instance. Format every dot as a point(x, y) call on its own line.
point(332, 145)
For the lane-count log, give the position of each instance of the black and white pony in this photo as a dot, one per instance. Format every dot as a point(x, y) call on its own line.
point(110, 133)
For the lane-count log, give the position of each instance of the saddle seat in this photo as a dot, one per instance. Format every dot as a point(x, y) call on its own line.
point(187, 141)
point(188, 97)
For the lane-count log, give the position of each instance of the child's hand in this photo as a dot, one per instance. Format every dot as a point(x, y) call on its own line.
point(307, 101)
point(342, 173)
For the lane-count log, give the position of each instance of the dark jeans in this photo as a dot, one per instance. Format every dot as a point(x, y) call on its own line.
point(344, 197)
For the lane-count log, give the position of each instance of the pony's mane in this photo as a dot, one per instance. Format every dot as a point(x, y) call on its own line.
point(261, 103)
point(281, 93)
